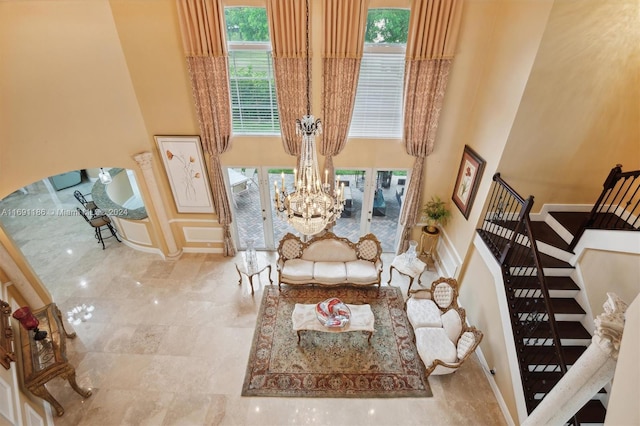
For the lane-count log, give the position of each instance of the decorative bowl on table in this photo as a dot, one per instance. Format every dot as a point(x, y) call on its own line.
point(333, 313)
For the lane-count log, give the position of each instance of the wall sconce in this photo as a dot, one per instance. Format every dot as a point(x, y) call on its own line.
point(105, 177)
point(29, 322)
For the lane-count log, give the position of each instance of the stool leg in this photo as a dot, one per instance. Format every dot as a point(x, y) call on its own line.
point(99, 236)
point(114, 232)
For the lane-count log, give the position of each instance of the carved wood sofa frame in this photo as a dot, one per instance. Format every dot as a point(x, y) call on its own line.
point(368, 249)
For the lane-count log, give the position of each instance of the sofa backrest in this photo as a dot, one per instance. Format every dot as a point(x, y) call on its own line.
point(329, 250)
point(328, 247)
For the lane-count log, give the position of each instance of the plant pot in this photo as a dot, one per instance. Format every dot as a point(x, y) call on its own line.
point(430, 229)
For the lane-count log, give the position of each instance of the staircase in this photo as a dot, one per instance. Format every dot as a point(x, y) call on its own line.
point(534, 257)
point(568, 313)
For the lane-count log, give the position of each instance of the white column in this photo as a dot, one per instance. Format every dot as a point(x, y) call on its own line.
point(144, 160)
point(595, 368)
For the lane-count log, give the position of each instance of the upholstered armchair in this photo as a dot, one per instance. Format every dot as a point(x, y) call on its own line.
point(425, 306)
point(443, 339)
point(444, 349)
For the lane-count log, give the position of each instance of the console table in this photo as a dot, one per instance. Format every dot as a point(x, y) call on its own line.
point(42, 360)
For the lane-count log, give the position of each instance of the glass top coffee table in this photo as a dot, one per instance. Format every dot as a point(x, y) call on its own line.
point(304, 318)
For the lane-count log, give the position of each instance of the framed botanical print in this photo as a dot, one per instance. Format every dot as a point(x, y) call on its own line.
point(184, 164)
point(469, 174)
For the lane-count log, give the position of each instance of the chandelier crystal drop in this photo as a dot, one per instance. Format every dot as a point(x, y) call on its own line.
point(312, 205)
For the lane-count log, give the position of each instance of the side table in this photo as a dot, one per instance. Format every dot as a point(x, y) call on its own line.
point(251, 270)
point(429, 244)
point(42, 360)
point(412, 269)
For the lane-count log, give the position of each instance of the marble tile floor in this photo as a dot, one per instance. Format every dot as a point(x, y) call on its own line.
point(168, 341)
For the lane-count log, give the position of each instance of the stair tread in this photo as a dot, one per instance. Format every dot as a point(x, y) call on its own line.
point(592, 412)
point(535, 355)
point(571, 221)
point(566, 330)
point(560, 305)
point(545, 233)
point(553, 283)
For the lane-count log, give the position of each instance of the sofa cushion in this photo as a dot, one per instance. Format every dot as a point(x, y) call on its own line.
point(329, 250)
point(298, 269)
point(452, 324)
point(329, 272)
point(423, 313)
point(361, 272)
point(432, 344)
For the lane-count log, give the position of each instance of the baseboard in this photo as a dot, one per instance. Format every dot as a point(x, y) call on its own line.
point(143, 248)
point(494, 387)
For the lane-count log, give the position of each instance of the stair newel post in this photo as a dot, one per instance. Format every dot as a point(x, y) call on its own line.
point(609, 183)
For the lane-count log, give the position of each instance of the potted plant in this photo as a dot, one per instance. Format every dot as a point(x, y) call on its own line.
point(435, 212)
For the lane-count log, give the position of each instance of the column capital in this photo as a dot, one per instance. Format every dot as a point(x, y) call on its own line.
point(610, 324)
point(144, 160)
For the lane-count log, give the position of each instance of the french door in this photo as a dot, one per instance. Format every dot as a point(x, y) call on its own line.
point(251, 194)
point(373, 201)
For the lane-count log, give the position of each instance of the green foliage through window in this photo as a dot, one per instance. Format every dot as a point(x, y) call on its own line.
point(387, 26)
point(246, 24)
point(253, 94)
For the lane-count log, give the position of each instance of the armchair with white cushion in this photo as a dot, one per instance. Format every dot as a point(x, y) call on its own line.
point(443, 339)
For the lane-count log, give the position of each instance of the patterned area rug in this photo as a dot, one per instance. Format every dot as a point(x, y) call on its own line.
point(341, 365)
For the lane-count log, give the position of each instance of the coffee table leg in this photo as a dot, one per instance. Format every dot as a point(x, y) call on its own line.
point(270, 280)
point(369, 338)
point(298, 336)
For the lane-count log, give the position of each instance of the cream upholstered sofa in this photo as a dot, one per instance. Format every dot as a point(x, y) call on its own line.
point(443, 339)
point(329, 260)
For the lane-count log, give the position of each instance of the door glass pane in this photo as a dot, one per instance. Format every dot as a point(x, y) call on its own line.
point(245, 200)
point(280, 224)
point(349, 224)
point(387, 200)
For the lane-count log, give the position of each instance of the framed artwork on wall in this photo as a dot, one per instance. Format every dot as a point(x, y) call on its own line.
point(469, 174)
point(184, 164)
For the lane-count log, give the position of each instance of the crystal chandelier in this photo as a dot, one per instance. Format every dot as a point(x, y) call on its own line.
point(312, 205)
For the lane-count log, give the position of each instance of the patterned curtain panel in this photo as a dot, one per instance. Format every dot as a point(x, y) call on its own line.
point(203, 39)
point(433, 31)
point(344, 26)
point(287, 26)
